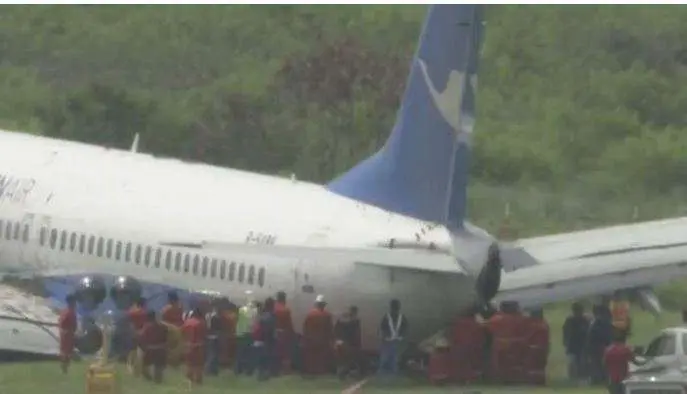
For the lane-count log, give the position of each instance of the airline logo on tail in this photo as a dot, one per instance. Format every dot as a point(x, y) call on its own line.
point(449, 102)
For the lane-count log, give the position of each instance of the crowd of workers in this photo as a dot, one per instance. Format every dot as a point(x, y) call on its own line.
point(257, 338)
point(515, 347)
point(508, 347)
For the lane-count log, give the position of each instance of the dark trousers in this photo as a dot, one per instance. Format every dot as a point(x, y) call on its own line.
point(244, 363)
point(576, 366)
point(596, 369)
point(212, 356)
point(616, 388)
point(265, 357)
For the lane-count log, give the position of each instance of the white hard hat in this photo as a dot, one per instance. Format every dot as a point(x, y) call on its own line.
point(319, 299)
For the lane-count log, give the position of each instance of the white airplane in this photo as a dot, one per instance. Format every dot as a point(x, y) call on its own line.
point(392, 227)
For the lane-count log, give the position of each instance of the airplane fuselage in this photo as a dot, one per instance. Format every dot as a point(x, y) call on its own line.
point(72, 208)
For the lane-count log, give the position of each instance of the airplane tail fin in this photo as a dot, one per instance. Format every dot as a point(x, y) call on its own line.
point(422, 169)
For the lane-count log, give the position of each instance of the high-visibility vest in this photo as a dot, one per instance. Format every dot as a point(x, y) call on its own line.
point(394, 327)
point(620, 313)
point(245, 319)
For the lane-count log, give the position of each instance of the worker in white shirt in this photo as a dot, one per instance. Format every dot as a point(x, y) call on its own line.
point(245, 363)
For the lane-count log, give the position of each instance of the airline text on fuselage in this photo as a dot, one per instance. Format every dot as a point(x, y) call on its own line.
point(14, 189)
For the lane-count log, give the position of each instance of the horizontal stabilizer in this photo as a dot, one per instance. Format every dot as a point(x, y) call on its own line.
point(602, 274)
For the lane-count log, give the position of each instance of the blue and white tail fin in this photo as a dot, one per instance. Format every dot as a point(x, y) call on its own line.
point(422, 170)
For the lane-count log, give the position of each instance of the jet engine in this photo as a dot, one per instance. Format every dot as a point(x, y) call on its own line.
point(489, 278)
point(125, 291)
point(89, 339)
point(91, 292)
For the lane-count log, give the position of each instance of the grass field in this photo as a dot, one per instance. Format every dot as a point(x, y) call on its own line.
point(45, 377)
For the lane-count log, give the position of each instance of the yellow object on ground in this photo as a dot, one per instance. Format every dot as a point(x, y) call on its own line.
point(102, 380)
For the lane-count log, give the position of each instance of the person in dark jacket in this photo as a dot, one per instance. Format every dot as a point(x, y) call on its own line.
point(599, 338)
point(265, 340)
point(213, 320)
point(394, 328)
point(575, 331)
point(347, 336)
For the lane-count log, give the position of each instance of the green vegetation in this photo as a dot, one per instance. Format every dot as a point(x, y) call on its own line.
point(45, 377)
point(580, 109)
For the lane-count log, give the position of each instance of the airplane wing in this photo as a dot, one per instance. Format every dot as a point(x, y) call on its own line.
point(431, 260)
point(27, 324)
point(594, 262)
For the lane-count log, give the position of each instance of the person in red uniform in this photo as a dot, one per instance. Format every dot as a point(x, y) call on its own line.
point(616, 359)
point(173, 313)
point(317, 339)
point(467, 345)
point(284, 333)
point(507, 331)
point(538, 341)
point(153, 343)
point(67, 325)
point(137, 317)
point(194, 332)
point(229, 336)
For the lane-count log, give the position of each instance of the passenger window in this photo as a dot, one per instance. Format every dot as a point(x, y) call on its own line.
point(187, 262)
point(232, 271)
point(72, 242)
point(8, 231)
point(168, 260)
point(82, 243)
point(118, 251)
point(25, 235)
point(223, 269)
point(158, 257)
point(53, 238)
point(63, 240)
point(251, 274)
point(91, 244)
point(17, 226)
point(261, 276)
point(138, 254)
point(213, 268)
point(108, 249)
point(177, 262)
point(149, 251)
point(242, 272)
point(101, 243)
point(42, 237)
point(127, 252)
point(205, 266)
point(196, 263)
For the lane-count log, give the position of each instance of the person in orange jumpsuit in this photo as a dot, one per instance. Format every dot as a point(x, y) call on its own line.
point(317, 339)
point(284, 334)
point(194, 332)
point(468, 341)
point(173, 313)
point(616, 360)
point(153, 343)
point(138, 316)
point(67, 326)
point(228, 335)
point(439, 369)
point(537, 353)
point(507, 330)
